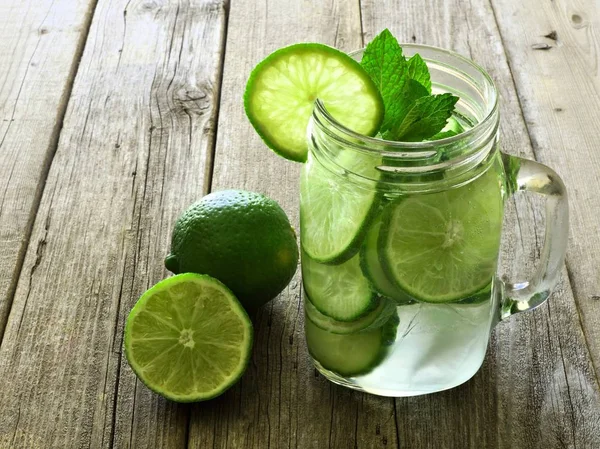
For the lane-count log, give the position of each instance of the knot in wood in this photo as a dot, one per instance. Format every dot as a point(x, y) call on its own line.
point(192, 100)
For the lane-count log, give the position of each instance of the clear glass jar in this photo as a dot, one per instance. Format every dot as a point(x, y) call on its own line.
point(400, 243)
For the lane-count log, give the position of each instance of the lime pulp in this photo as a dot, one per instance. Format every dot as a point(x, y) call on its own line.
point(282, 89)
point(188, 338)
point(443, 246)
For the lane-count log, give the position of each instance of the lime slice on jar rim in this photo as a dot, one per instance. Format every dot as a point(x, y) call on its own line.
point(281, 91)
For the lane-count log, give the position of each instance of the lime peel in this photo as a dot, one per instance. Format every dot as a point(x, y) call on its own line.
point(188, 338)
point(281, 91)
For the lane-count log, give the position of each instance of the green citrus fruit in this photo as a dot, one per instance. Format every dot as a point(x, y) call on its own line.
point(188, 338)
point(443, 246)
point(282, 89)
point(243, 239)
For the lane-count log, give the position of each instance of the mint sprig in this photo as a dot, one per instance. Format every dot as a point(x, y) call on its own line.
point(384, 62)
point(417, 70)
point(412, 114)
point(426, 118)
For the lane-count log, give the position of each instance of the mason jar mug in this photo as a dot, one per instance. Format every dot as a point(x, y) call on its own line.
point(400, 242)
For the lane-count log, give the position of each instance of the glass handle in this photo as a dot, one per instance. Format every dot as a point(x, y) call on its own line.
point(528, 176)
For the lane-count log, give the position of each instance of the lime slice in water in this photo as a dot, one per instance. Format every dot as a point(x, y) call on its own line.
point(334, 212)
point(372, 320)
point(372, 269)
point(188, 338)
point(282, 89)
point(351, 354)
point(443, 246)
point(341, 291)
point(347, 355)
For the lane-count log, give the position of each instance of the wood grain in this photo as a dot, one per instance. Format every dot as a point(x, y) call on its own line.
point(537, 388)
point(281, 402)
point(559, 93)
point(40, 45)
point(136, 148)
point(134, 151)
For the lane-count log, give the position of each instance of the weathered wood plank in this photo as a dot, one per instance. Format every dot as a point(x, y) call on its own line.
point(559, 92)
point(281, 402)
point(40, 45)
point(537, 388)
point(135, 150)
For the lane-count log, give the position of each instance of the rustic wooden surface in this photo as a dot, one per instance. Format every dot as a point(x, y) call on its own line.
point(90, 191)
point(40, 45)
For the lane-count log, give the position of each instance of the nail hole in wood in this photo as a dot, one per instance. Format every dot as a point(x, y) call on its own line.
point(541, 46)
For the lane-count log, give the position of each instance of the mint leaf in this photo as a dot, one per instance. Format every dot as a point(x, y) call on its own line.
point(411, 112)
point(405, 100)
point(426, 118)
point(385, 64)
point(417, 70)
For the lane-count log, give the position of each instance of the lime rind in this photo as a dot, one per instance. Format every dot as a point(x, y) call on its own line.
point(481, 296)
point(335, 213)
point(340, 291)
point(281, 90)
point(443, 247)
point(374, 272)
point(370, 321)
point(169, 344)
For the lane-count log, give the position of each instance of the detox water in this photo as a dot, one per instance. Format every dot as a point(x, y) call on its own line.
point(435, 347)
point(408, 308)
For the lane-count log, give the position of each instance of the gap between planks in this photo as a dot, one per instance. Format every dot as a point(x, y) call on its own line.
point(53, 145)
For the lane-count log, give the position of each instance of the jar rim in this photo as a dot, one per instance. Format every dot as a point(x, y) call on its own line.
point(430, 144)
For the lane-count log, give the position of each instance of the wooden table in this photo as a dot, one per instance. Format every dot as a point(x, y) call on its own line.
point(117, 114)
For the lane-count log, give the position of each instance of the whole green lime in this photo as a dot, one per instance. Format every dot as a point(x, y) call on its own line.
point(243, 239)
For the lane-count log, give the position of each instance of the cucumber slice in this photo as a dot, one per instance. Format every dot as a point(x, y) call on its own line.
point(282, 89)
point(341, 291)
point(334, 213)
point(350, 354)
point(372, 269)
point(377, 318)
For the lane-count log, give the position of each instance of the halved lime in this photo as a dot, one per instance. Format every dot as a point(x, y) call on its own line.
point(188, 338)
point(443, 246)
point(372, 320)
point(341, 291)
point(335, 212)
point(372, 269)
point(282, 89)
